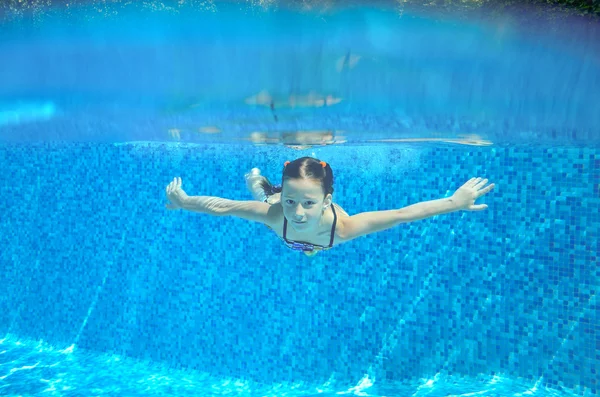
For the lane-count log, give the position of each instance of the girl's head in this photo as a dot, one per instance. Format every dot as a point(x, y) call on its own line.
point(307, 188)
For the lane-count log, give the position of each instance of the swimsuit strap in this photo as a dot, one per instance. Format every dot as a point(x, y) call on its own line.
point(333, 226)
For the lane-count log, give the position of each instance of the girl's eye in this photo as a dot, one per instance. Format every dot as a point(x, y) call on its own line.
point(290, 202)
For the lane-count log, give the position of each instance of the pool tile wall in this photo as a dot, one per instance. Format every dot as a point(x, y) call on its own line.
point(90, 256)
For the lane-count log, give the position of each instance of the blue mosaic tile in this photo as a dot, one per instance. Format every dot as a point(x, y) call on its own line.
point(93, 258)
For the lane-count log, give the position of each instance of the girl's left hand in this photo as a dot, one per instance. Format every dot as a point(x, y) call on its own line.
point(465, 196)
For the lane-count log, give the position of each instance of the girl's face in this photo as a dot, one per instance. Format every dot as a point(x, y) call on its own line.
point(303, 202)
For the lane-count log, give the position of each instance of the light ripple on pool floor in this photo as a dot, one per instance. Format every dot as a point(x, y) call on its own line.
point(35, 368)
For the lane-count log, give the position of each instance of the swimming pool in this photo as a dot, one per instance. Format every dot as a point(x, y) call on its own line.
point(106, 292)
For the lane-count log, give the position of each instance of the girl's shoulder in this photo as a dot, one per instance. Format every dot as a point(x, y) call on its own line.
point(277, 216)
point(340, 224)
point(340, 211)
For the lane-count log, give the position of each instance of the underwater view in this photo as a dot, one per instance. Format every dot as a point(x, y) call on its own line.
point(270, 198)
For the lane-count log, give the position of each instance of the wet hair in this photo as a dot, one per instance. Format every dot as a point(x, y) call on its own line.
point(303, 168)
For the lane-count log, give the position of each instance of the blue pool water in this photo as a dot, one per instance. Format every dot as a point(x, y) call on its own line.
point(104, 292)
point(500, 302)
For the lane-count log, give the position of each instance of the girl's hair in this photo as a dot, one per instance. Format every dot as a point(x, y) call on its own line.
point(305, 168)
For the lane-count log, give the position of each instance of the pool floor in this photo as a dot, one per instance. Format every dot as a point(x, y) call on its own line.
point(34, 368)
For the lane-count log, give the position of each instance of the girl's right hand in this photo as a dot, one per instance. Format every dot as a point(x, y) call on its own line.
point(176, 195)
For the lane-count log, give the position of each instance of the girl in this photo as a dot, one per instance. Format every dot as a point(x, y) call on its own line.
point(301, 211)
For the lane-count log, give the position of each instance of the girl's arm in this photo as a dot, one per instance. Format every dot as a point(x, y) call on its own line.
point(376, 221)
point(250, 210)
